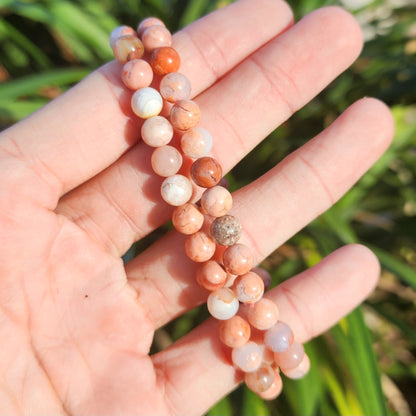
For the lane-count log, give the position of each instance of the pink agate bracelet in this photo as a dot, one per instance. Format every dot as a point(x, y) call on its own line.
point(261, 344)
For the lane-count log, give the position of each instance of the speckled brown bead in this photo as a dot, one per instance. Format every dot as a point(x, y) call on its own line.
point(226, 230)
point(206, 172)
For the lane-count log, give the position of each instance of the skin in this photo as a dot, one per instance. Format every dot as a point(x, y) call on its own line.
point(77, 190)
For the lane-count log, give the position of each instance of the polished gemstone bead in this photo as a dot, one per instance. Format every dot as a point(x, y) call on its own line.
point(263, 314)
point(120, 31)
point(127, 48)
point(222, 304)
point(145, 23)
point(226, 230)
point(166, 161)
point(185, 114)
point(146, 102)
point(275, 389)
point(248, 357)
point(260, 380)
point(234, 332)
point(176, 190)
point(175, 87)
point(265, 275)
point(206, 172)
point(230, 279)
point(238, 259)
point(249, 287)
point(279, 337)
point(290, 358)
point(268, 355)
point(157, 131)
point(137, 74)
point(156, 36)
point(165, 60)
point(187, 219)
point(211, 275)
point(199, 247)
point(216, 201)
point(196, 142)
point(300, 371)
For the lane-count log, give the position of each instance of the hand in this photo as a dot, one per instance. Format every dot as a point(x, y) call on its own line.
point(77, 191)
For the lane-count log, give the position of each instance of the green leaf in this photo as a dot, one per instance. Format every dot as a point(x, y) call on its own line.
point(222, 408)
point(253, 404)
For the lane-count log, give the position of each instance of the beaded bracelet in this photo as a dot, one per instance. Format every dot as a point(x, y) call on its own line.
point(261, 344)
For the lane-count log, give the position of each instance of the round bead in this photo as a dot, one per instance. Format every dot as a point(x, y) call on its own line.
point(265, 275)
point(226, 230)
point(222, 304)
point(216, 201)
point(137, 74)
point(175, 87)
point(238, 259)
point(300, 371)
point(157, 131)
point(199, 247)
point(185, 114)
point(248, 357)
point(234, 332)
point(279, 337)
point(249, 287)
point(263, 314)
point(210, 275)
point(146, 102)
point(290, 358)
point(156, 36)
point(149, 21)
point(206, 172)
point(196, 142)
point(127, 48)
point(120, 31)
point(166, 161)
point(230, 279)
point(275, 389)
point(187, 219)
point(260, 380)
point(176, 190)
point(165, 60)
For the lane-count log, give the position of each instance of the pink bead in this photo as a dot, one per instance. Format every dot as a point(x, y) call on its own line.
point(238, 259)
point(210, 275)
point(275, 389)
point(199, 247)
point(196, 143)
point(156, 36)
point(175, 87)
point(230, 279)
point(157, 131)
point(166, 161)
point(291, 358)
point(127, 48)
point(120, 31)
point(260, 380)
point(279, 337)
point(216, 201)
point(185, 114)
point(248, 357)
point(187, 219)
point(137, 74)
point(145, 23)
point(300, 371)
point(265, 275)
point(263, 314)
point(234, 332)
point(249, 287)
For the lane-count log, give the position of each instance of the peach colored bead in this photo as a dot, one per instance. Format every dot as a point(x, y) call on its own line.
point(156, 36)
point(127, 48)
point(199, 247)
point(196, 142)
point(263, 314)
point(187, 219)
point(185, 114)
point(260, 380)
point(136, 74)
point(238, 259)
point(300, 371)
point(145, 23)
point(206, 172)
point(279, 337)
point(210, 275)
point(234, 332)
point(165, 60)
point(248, 357)
point(268, 355)
point(216, 201)
point(275, 389)
point(120, 31)
point(175, 87)
point(166, 161)
point(157, 131)
point(290, 358)
point(230, 279)
point(249, 287)
point(265, 275)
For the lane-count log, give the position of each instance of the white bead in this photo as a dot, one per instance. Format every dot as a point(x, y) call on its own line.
point(248, 357)
point(120, 31)
point(222, 304)
point(146, 102)
point(176, 190)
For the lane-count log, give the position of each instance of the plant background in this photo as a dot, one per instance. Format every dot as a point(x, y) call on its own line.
point(366, 364)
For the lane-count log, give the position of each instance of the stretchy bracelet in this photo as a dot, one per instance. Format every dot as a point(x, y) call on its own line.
point(262, 346)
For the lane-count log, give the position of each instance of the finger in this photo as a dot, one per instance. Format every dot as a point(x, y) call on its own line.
point(310, 303)
point(272, 208)
point(89, 127)
point(313, 52)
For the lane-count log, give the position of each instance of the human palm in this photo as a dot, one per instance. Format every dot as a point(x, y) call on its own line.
point(77, 190)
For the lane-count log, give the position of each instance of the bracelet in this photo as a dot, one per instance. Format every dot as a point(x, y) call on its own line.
point(262, 345)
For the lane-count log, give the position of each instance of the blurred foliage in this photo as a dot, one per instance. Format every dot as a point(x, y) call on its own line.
point(366, 364)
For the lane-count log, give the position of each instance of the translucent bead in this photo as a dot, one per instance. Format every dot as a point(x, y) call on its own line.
point(187, 219)
point(157, 131)
point(145, 23)
point(275, 389)
point(210, 275)
point(137, 74)
point(222, 304)
point(156, 36)
point(238, 259)
point(185, 114)
point(265, 275)
point(290, 358)
point(175, 87)
point(165, 60)
point(176, 190)
point(127, 48)
point(216, 201)
point(263, 314)
point(234, 332)
point(226, 230)
point(260, 380)
point(199, 247)
point(248, 357)
point(196, 142)
point(146, 102)
point(279, 337)
point(206, 172)
point(249, 287)
point(300, 371)
point(166, 161)
point(120, 31)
